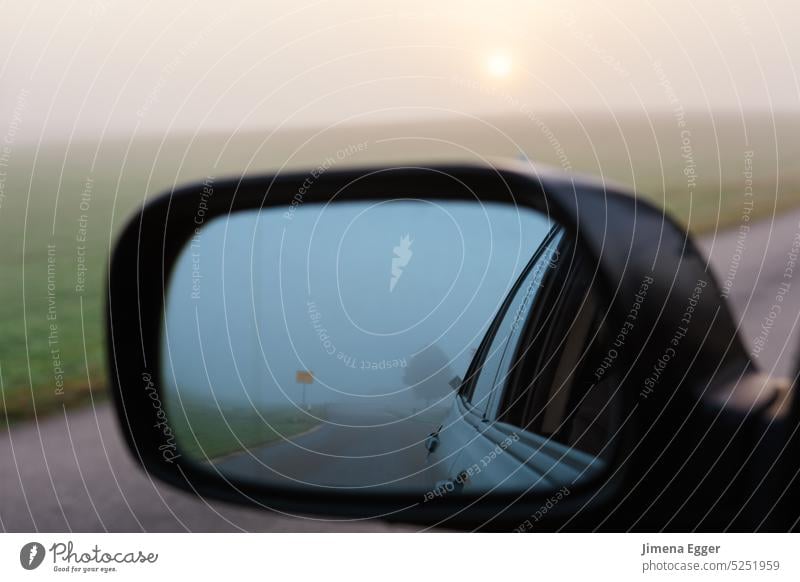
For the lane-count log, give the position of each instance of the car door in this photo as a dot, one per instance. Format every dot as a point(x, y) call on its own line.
point(527, 419)
point(470, 443)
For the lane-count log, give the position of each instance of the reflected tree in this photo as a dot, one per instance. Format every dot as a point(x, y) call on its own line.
point(429, 375)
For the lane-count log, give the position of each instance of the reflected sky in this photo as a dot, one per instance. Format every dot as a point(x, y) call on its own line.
point(374, 304)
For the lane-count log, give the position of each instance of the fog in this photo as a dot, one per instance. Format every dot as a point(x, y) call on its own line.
point(100, 69)
point(382, 304)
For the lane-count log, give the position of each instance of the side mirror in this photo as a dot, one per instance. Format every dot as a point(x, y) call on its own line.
point(291, 342)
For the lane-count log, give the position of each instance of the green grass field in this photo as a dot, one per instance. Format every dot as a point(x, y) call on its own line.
point(62, 207)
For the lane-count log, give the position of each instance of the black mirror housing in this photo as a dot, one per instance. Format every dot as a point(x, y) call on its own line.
point(663, 301)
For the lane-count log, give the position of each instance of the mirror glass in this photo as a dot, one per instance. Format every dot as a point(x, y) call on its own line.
point(423, 346)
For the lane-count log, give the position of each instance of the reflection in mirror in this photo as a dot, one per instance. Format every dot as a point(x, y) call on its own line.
point(427, 347)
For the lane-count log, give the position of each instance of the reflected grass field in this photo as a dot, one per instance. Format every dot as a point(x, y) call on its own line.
point(63, 206)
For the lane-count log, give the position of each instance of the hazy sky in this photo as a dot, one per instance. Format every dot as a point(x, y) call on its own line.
point(312, 292)
point(89, 67)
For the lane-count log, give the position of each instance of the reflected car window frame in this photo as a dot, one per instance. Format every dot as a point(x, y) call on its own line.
point(531, 383)
point(541, 271)
point(476, 369)
point(536, 348)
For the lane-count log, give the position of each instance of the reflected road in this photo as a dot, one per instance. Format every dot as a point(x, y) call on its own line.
point(346, 450)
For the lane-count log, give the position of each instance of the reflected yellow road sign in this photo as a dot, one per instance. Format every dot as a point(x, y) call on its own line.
point(304, 377)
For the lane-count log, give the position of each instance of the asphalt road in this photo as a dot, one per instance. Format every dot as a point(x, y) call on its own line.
point(391, 455)
point(71, 472)
point(752, 264)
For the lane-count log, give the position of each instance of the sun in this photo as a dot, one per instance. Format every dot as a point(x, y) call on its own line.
point(499, 65)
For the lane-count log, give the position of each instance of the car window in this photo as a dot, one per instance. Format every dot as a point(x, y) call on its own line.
point(556, 394)
point(574, 408)
point(499, 353)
